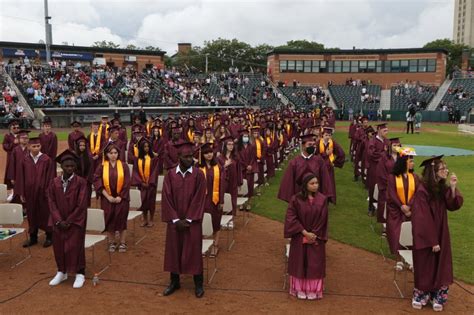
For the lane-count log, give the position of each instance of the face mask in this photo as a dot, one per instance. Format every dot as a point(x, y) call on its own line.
point(245, 139)
point(310, 150)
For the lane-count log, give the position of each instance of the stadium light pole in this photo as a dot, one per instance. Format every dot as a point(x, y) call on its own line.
point(48, 32)
point(207, 62)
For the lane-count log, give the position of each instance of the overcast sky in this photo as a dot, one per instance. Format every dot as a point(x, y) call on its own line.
point(164, 23)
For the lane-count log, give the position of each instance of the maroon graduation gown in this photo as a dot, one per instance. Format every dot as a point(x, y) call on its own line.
point(170, 156)
point(85, 170)
point(297, 168)
point(247, 157)
point(270, 156)
point(395, 216)
point(261, 160)
point(49, 144)
point(158, 147)
point(18, 156)
point(115, 213)
point(210, 207)
point(384, 169)
point(430, 228)
point(183, 198)
point(32, 182)
point(147, 194)
point(72, 138)
point(307, 261)
point(69, 206)
point(376, 149)
point(339, 161)
point(95, 162)
point(232, 180)
point(8, 145)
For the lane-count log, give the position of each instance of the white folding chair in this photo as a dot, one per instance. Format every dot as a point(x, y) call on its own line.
point(159, 188)
point(242, 201)
point(96, 223)
point(373, 219)
point(227, 220)
point(135, 203)
point(130, 169)
point(406, 241)
point(11, 214)
point(207, 244)
point(285, 272)
point(3, 193)
point(384, 228)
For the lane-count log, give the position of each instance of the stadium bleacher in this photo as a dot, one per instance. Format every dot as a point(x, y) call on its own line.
point(460, 95)
point(366, 97)
point(304, 96)
point(405, 94)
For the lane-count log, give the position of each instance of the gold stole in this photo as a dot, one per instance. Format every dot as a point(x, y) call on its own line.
point(190, 135)
point(401, 188)
point(259, 148)
point(331, 147)
point(106, 177)
point(106, 130)
point(148, 128)
point(288, 129)
point(95, 145)
point(269, 141)
point(144, 171)
point(135, 150)
point(281, 139)
point(215, 183)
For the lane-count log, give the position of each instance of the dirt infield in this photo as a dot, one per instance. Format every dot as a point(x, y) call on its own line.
point(249, 280)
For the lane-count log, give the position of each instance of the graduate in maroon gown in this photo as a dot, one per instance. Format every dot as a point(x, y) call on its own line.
point(333, 156)
point(378, 147)
point(158, 146)
point(402, 185)
point(74, 135)
point(85, 165)
point(33, 180)
point(104, 128)
point(260, 153)
point(67, 199)
point(306, 224)
point(122, 130)
point(145, 177)
point(306, 162)
point(358, 139)
point(95, 145)
point(246, 152)
point(182, 206)
point(271, 146)
point(233, 174)
point(20, 152)
point(112, 184)
point(114, 137)
point(170, 156)
point(432, 259)
point(215, 179)
point(10, 141)
point(384, 169)
point(49, 141)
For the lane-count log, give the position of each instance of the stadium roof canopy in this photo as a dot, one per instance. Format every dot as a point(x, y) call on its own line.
point(82, 48)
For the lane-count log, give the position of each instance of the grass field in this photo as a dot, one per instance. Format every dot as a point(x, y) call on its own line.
point(348, 221)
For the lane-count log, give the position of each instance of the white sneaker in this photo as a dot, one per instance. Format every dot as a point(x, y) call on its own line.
point(79, 282)
point(58, 278)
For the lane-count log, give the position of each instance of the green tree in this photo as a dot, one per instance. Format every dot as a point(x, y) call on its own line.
point(454, 52)
point(152, 48)
point(131, 46)
point(105, 44)
point(302, 44)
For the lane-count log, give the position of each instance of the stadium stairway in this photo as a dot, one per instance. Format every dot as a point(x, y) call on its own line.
point(331, 99)
point(385, 98)
point(21, 98)
point(433, 105)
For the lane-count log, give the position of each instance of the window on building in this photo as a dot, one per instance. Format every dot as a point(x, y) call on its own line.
point(404, 66)
point(354, 66)
point(299, 66)
point(291, 65)
point(307, 66)
point(337, 66)
point(387, 66)
point(323, 66)
point(422, 65)
point(363, 66)
point(330, 66)
point(395, 66)
point(283, 66)
point(346, 66)
point(414, 65)
point(379, 66)
point(371, 66)
point(315, 67)
point(431, 65)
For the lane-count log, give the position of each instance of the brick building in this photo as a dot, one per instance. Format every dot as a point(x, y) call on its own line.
point(384, 67)
point(85, 55)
